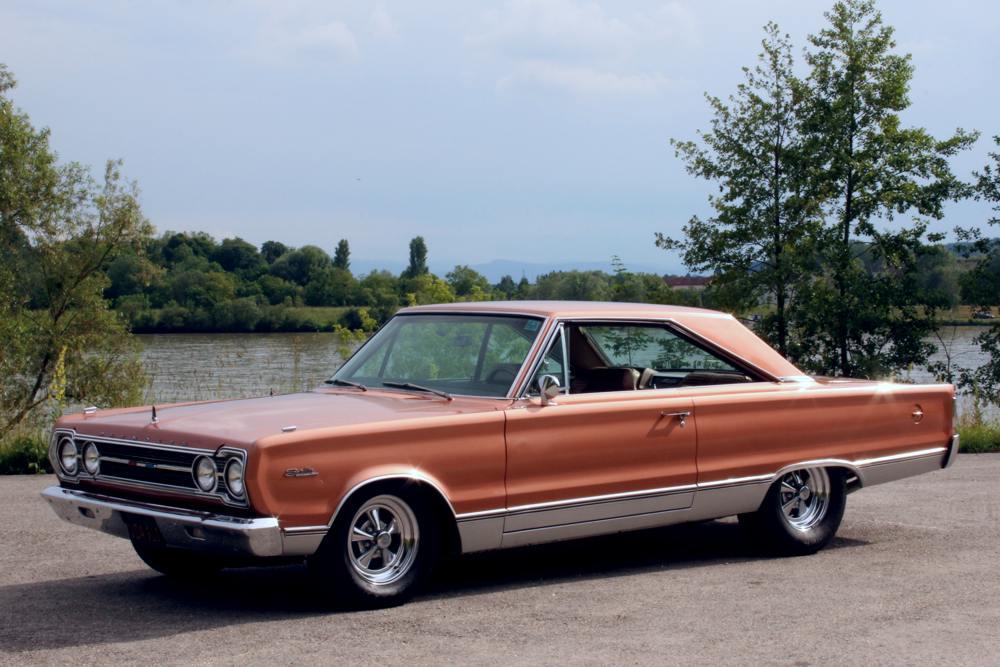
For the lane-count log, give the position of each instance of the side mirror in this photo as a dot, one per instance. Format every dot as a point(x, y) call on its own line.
point(548, 389)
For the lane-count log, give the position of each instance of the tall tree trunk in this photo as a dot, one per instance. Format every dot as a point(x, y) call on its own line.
point(844, 266)
point(779, 268)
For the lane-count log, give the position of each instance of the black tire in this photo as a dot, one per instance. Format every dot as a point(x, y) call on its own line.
point(338, 568)
point(177, 563)
point(788, 524)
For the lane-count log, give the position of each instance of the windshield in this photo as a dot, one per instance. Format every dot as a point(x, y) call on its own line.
point(474, 355)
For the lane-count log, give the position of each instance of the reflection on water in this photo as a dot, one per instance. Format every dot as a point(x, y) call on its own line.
point(208, 366)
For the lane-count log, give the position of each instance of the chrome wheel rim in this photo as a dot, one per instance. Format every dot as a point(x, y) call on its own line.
point(804, 496)
point(383, 540)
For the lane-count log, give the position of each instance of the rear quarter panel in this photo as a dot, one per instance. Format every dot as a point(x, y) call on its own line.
point(757, 429)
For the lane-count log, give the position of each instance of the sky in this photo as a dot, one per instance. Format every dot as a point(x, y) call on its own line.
point(529, 130)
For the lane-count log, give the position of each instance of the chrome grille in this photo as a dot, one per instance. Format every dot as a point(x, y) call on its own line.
point(149, 465)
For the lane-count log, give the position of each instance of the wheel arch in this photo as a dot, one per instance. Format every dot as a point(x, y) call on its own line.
point(429, 488)
point(853, 477)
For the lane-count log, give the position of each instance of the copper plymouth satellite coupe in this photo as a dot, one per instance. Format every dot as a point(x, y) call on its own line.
point(468, 427)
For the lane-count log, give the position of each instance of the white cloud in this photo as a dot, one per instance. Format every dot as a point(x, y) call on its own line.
point(534, 28)
point(582, 46)
point(282, 41)
point(580, 80)
point(382, 23)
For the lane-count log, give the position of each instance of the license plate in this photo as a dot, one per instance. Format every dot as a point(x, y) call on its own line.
point(143, 529)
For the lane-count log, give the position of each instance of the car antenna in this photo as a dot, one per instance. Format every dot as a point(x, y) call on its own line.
point(154, 420)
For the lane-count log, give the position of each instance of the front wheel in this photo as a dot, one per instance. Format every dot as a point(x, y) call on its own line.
point(801, 512)
point(381, 549)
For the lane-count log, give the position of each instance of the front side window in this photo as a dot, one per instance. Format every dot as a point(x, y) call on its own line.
point(553, 363)
point(477, 355)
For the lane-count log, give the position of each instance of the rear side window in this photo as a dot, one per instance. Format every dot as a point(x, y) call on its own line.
point(639, 346)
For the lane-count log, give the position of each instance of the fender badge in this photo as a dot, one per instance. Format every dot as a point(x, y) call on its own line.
point(300, 472)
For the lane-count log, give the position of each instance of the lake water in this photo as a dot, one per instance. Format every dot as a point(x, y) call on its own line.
point(208, 366)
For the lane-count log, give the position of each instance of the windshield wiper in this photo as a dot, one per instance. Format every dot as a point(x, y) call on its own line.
point(346, 383)
point(417, 387)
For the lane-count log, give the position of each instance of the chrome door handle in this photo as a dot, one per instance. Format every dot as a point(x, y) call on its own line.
point(681, 416)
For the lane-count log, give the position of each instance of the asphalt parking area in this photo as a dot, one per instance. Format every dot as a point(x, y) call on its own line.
point(913, 577)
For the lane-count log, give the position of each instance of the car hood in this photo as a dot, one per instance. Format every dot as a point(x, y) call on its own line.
point(243, 422)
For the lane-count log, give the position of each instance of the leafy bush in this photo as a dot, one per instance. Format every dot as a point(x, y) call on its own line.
point(24, 454)
point(980, 438)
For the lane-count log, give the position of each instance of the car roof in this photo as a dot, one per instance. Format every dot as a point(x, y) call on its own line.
point(569, 309)
point(721, 329)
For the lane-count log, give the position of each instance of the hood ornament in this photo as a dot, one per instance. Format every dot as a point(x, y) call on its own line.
point(154, 419)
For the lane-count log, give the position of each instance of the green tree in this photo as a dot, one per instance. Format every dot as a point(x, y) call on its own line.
point(507, 287)
point(331, 287)
point(868, 170)
point(342, 255)
point(418, 258)
point(467, 282)
point(237, 256)
point(69, 227)
point(573, 286)
point(984, 382)
point(272, 250)
point(301, 266)
point(756, 242)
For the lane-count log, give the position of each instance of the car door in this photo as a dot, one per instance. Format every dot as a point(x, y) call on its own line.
point(595, 456)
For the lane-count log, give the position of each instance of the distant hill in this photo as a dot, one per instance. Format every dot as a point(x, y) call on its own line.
point(498, 268)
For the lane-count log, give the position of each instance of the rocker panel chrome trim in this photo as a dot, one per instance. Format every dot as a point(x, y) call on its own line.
point(595, 515)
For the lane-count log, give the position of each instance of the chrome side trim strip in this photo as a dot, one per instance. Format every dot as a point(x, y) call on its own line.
point(737, 481)
point(900, 457)
point(587, 500)
point(302, 540)
point(856, 466)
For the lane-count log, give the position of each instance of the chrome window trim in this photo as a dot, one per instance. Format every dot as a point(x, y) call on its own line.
point(218, 494)
point(669, 323)
point(511, 393)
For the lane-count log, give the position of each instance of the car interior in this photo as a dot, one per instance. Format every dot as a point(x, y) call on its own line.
point(632, 357)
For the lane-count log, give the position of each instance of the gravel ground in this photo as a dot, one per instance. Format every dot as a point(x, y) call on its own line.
point(912, 578)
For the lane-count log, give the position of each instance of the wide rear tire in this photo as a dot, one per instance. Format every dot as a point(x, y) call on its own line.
point(800, 514)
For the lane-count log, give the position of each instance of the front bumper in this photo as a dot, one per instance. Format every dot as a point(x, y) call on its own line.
point(183, 529)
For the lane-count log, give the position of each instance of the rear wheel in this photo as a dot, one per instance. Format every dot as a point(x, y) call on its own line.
point(801, 512)
point(175, 562)
point(380, 551)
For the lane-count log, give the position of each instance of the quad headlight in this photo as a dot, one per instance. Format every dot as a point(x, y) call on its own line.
point(91, 458)
point(234, 477)
point(203, 472)
point(68, 454)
